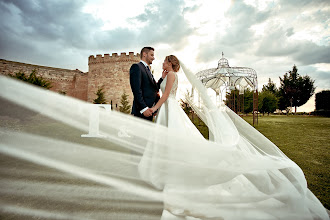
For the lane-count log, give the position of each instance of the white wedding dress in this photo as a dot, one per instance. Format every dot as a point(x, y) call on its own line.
point(151, 168)
point(172, 115)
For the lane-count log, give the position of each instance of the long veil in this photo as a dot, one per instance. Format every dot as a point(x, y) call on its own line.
point(49, 170)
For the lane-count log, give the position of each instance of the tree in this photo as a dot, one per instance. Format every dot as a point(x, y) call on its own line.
point(270, 86)
point(268, 98)
point(322, 100)
point(247, 101)
point(267, 102)
point(100, 97)
point(282, 103)
point(322, 103)
point(33, 79)
point(185, 106)
point(125, 106)
point(295, 89)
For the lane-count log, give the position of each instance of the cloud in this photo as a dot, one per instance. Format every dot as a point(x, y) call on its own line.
point(281, 28)
point(322, 78)
point(191, 9)
point(276, 43)
point(39, 31)
point(289, 32)
point(302, 4)
point(165, 23)
point(161, 22)
point(310, 53)
point(52, 21)
point(238, 36)
point(115, 39)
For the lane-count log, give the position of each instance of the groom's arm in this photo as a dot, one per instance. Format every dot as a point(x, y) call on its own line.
point(161, 78)
point(135, 81)
point(159, 82)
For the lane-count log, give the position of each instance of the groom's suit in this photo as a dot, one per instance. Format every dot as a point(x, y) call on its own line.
point(144, 87)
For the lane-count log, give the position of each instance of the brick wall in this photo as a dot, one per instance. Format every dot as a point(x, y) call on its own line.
point(73, 82)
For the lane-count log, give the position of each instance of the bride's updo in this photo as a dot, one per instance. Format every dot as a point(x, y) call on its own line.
point(175, 62)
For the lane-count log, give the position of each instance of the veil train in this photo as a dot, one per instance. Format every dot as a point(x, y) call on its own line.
point(49, 171)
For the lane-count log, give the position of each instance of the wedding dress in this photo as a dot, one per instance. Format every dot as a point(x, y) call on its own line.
point(172, 115)
point(155, 163)
point(48, 171)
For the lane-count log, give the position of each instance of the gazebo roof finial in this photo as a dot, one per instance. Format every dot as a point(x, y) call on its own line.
point(223, 62)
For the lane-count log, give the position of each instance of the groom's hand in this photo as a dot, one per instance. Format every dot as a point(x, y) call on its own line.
point(148, 112)
point(164, 73)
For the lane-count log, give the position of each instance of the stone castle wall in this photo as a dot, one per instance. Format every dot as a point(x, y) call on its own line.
point(73, 82)
point(112, 74)
point(108, 72)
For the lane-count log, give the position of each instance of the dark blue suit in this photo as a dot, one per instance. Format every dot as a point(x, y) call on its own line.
point(145, 89)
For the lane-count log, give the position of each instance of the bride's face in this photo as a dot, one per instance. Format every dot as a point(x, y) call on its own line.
point(166, 65)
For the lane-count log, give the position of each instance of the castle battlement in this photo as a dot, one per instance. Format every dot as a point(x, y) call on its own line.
point(123, 57)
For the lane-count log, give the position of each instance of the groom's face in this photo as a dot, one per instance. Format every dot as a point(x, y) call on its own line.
point(150, 57)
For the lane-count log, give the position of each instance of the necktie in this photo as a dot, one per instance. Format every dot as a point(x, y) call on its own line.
point(149, 72)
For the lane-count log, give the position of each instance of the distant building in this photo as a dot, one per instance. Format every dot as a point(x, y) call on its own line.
point(108, 72)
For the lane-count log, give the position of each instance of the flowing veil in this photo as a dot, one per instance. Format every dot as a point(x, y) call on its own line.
point(49, 171)
point(225, 125)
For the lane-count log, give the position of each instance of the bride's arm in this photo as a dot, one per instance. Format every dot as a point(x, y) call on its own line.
point(169, 84)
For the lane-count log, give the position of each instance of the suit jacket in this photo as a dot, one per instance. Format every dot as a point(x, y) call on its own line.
point(145, 89)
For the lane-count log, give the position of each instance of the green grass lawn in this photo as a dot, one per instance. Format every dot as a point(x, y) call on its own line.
point(305, 140)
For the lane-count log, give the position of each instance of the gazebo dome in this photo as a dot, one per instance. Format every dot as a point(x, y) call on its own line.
point(229, 78)
point(223, 62)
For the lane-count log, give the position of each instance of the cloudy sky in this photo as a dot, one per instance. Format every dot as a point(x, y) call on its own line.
point(269, 36)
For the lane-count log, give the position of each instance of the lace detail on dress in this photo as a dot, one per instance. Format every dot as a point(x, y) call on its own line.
point(174, 87)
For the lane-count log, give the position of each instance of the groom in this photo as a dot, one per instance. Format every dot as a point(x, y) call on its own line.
point(144, 87)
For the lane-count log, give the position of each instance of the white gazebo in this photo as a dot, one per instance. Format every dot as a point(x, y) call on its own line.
point(225, 79)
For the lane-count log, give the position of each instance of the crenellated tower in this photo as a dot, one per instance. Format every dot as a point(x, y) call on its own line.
point(111, 73)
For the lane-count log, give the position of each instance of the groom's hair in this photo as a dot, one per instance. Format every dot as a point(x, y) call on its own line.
point(146, 50)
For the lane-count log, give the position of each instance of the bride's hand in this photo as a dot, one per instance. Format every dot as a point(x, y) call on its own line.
point(153, 110)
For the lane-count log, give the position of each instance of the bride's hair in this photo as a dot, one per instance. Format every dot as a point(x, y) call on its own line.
point(175, 62)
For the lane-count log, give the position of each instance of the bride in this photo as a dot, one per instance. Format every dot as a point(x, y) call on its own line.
point(275, 190)
point(48, 171)
point(171, 114)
